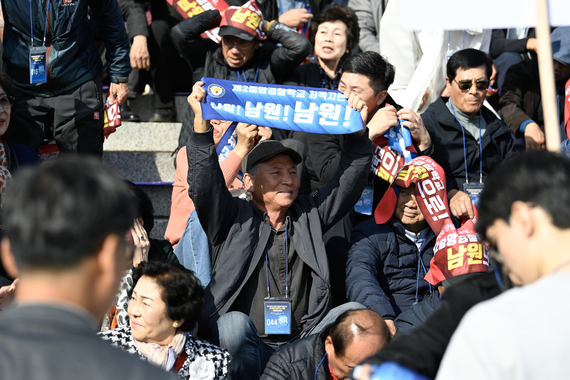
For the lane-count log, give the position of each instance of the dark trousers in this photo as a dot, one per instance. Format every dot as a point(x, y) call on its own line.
point(74, 119)
point(162, 57)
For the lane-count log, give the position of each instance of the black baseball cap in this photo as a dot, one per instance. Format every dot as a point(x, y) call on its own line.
point(265, 150)
point(233, 31)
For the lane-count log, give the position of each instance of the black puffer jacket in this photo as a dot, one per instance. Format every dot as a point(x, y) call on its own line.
point(270, 10)
point(382, 267)
point(298, 361)
point(498, 144)
point(269, 64)
point(73, 58)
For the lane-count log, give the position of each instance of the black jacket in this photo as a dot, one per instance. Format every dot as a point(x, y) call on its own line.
point(135, 17)
point(423, 349)
point(73, 58)
point(269, 63)
point(382, 267)
point(447, 140)
point(298, 361)
point(410, 319)
point(239, 231)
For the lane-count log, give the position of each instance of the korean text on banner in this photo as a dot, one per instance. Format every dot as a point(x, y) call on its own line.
point(291, 108)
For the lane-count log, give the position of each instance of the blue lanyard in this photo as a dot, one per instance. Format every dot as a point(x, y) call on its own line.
point(245, 76)
point(465, 150)
point(319, 366)
point(421, 262)
point(449, 40)
point(286, 265)
point(32, 24)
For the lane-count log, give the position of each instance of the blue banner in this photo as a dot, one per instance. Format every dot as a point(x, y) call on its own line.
point(400, 139)
point(292, 108)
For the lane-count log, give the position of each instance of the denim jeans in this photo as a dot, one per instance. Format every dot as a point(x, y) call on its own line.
point(235, 332)
point(193, 250)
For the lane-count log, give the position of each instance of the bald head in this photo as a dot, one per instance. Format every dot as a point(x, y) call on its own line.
point(356, 324)
point(354, 336)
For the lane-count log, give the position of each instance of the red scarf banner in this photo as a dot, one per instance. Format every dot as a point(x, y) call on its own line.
point(567, 108)
point(191, 8)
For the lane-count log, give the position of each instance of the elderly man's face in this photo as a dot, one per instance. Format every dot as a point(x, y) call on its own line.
point(408, 211)
point(238, 52)
point(276, 184)
point(470, 100)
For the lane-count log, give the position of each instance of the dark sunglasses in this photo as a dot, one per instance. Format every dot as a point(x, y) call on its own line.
point(465, 85)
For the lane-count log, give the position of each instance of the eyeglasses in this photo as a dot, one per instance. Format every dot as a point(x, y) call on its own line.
point(239, 44)
point(465, 85)
point(7, 101)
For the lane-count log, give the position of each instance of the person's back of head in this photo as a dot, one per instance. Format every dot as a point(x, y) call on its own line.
point(468, 59)
point(371, 64)
point(62, 214)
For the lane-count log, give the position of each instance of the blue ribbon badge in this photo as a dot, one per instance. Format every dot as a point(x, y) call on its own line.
point(291, 108)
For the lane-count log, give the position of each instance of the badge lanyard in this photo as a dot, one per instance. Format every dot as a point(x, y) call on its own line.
point(449, 51)
point(245, 76)
point(421, 261)
point(465, 150)
point(319, 366)
point(32, 24)
point(286, 266)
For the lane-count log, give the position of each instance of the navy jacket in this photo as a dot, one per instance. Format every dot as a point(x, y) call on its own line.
point(19, 156)
point(73, 58)
point(382, 267)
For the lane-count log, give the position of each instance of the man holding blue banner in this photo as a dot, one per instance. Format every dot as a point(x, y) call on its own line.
point(239, 56)
point(270, 272)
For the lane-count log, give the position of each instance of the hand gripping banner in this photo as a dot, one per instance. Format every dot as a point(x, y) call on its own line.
point(291, 108)
point(431, 195)
point(191, 8)
point(457, 251)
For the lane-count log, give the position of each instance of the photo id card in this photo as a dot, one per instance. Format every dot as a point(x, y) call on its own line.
point(364, 204)
point(38, 73)
point(277, 316)
point(474, 191)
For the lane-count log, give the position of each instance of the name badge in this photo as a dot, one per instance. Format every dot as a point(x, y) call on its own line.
point(38, 73)
point(277, 316)
point(364, 204)
point(474, 191)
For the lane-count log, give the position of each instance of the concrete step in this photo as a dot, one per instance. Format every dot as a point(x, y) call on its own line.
point(142, 167)
point(144, 137)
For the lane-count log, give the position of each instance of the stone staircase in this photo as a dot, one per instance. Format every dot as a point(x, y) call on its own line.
point(144, 153)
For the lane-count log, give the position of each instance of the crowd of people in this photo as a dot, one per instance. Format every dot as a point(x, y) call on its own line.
point(288, 254)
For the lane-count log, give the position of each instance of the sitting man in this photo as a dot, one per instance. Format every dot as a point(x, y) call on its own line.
point(390, 254)
point(369, 76)
point(239, 56)
point(521, 99)
point(66, 224)
point(468, 139)
point(354, 336)
point(525, 214)
point(268, 261)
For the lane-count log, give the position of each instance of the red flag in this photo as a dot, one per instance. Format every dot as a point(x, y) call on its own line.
point(457, 251)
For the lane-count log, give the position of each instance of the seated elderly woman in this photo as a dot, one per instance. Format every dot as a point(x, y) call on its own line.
point(165, 304)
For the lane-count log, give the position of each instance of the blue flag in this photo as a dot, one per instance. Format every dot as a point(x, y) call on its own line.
point(291, 108)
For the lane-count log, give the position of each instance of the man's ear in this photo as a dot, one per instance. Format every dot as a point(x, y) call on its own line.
point(248, 182)
point(522, 216)
point(8, 259)
point(447, 85)
point(256, 44)
point(329, 347)
point(380, 97)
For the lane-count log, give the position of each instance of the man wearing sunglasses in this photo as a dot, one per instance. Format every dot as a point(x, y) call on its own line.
point(469, 140)
point(239, 56)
